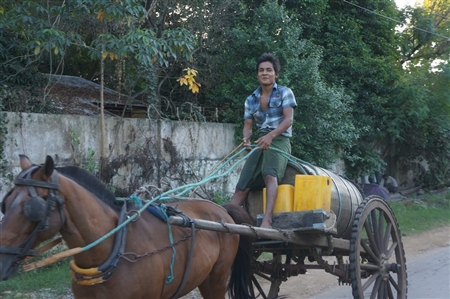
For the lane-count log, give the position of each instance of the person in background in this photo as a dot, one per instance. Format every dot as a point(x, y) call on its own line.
point(271, 108)
point(390, 183)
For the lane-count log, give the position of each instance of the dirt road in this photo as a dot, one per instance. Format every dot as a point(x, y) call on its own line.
point(319, 284)
point(427, 261)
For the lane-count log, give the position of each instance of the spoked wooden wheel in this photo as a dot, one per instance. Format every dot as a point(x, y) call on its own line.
point(273, 291)
point(275, 283)
point(377, 256)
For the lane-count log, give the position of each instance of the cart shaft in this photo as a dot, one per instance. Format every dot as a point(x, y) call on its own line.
point(306, 238)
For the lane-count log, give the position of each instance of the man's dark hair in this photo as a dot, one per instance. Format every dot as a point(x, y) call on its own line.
point(270, 58)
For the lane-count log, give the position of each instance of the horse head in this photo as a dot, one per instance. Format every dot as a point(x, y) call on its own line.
point(28, 214)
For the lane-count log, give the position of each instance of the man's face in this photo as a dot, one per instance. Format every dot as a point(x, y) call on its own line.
point(266, 73)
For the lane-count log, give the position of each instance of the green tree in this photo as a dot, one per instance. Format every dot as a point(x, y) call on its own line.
point(209, 22)
point(323, 125)
point(423, 113)
point(65, 36)
point(426, 35)
point(359, 53)
point(418, 118)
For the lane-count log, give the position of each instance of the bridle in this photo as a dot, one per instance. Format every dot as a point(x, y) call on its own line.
point(35, 209)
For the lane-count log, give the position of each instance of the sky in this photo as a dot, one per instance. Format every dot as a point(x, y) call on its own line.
point(402, 3)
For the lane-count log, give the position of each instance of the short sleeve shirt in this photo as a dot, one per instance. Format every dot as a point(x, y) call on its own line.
point(280, 98)
point(391, 181)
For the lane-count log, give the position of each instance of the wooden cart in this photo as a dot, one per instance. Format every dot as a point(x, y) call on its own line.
point(360, 232)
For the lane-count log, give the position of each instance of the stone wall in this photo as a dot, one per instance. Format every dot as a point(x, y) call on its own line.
point(138, 152)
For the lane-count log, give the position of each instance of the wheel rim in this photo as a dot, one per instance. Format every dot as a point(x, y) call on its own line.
point(377, 257)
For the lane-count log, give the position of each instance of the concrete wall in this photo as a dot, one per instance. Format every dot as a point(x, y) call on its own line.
point(166, 154)
point(138, 151)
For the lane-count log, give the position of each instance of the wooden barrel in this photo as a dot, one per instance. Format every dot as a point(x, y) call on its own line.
point(345, 196)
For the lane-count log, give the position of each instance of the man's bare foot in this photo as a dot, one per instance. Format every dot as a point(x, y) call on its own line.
point(266, 224)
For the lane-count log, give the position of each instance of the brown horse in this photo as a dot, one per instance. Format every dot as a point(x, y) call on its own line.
point(144, 259)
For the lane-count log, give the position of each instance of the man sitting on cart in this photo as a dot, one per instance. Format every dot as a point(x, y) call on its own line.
point(271, 107)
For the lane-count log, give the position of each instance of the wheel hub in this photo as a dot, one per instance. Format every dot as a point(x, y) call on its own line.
point(384, 267)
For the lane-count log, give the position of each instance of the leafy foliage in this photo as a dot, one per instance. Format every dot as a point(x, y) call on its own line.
point(425, 36)
point(426, 125)
point(44, 37)
point(369, 91)
point(323, 127)
point(189, 80)
point(358, 55)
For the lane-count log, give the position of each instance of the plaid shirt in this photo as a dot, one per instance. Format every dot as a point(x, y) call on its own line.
point(280, 98)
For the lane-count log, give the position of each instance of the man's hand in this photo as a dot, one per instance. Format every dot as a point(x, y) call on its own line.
point(247, 143)
point(264, 141)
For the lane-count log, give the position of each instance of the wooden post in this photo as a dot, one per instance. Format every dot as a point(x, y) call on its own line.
point(52, 259)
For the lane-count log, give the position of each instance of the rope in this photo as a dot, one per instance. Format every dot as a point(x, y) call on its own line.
point(174, 251)
point(186, 188)
point(136, 200)
point(212, 170)
point(182, 189)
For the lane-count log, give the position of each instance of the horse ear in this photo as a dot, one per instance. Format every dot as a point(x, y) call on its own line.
point(24, 162)
point(48, 167)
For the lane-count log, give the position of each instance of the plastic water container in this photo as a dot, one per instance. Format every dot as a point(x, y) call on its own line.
point(284, 201)
point(312, 192)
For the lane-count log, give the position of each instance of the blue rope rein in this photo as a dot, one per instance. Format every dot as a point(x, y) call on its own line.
point(143, 205)
point(174, 251)
point(185, 188)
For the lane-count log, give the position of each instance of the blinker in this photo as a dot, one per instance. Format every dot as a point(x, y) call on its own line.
point(35, 209)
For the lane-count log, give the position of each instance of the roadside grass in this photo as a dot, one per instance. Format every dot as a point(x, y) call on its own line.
point(48, 282)
point(414, 215)
point(419, 214)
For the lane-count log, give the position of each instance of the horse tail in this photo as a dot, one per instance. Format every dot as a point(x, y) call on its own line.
point(239, 283)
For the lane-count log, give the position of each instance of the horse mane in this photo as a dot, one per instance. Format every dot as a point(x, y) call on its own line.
point(90, 183)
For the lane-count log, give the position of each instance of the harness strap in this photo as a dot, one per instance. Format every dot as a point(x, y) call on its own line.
point(18, 251)
point(101, 273)
point(189, 262)
point(119, 245)
point(52, 199)
point(24, 178)
point(35, 183)
point(61, 204)
point(25, 248)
